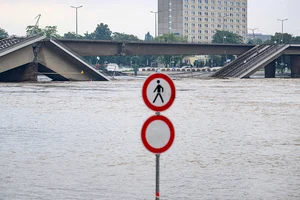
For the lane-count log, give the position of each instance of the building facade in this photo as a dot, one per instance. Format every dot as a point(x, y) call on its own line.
point(198, 20)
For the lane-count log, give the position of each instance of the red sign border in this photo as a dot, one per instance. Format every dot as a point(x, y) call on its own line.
point(172, 134)
point(172, 97)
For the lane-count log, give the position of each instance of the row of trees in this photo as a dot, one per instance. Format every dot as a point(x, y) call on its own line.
point(103, 32)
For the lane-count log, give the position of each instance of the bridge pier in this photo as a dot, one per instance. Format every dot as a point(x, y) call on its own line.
point(27, 72)
point(295, 66)
point(270, 70)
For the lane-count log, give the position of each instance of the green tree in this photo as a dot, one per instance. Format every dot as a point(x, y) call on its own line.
point(31, 29)
point(278, 38)
point(170, 60)
point(48, 31)
point(227, 37)
point(296, 39)
point(124, 37)
point(51, 31)
point(102, 32)
point(72, 35)
point(255, 41)
point(170, 38)
point(148, 37)
point(3, 33)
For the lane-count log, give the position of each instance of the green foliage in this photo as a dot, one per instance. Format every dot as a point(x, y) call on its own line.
point(227, 37)
point(48, 31)
point(148, 37)
point(296, 39)
point(170, 60)
point(102, 32)
point(124, 37)
point(33, 30)
point(70, 35)
point(255, 41)
point(3, 33)
point(170, 38)
point(51, 31)
point(278, 38)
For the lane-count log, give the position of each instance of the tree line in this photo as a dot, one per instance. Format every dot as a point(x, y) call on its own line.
point(103, 32)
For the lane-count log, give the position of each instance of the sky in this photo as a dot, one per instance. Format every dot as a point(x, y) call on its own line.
point(129, 16)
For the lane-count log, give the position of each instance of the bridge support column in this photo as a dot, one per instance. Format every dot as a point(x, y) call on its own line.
point(295, 66)
point(270, 70)
point(27, 72)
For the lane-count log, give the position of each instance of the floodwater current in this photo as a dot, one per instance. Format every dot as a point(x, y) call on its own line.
point(234, 139)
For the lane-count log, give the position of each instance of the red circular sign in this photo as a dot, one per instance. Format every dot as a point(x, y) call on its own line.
point(144, 131)
point(170, 99)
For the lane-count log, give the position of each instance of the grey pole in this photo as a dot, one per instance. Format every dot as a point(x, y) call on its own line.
point(281, 64)
point(282, 20)
point(76, 18)
point(157, 195)
point(155, 13)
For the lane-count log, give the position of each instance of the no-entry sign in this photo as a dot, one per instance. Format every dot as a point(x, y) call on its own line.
point(158, 134)
point(158, 92)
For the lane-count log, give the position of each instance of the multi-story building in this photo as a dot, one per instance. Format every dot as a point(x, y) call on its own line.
point(198, 20)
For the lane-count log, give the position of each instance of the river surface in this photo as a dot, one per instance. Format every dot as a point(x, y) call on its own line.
point(235, 139)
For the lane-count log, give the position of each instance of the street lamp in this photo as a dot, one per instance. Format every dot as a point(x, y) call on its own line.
point(155, 13)
point(224, 37)
point(76, 18)
point(282, 20)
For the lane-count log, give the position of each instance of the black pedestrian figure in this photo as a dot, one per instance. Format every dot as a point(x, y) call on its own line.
point(159, 89)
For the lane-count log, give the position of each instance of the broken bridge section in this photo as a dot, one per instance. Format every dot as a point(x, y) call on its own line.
point(60, 63)
point(251, 61)
point(24, 58)
point(16, 58)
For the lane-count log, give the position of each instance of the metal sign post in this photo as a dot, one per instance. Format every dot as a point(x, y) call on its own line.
point(157, 177)
point(158, 132)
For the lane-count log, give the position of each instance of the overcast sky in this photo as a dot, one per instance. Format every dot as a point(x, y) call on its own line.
point(129, 16)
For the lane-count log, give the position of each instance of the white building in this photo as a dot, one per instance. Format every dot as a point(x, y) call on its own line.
point(198, 19)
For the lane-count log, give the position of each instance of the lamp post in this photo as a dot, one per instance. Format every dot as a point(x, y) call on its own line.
point(224, 38)
point(155, 13)
point(282, 20)
point(253, 29)
point(225, 15)
point(76, 18)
